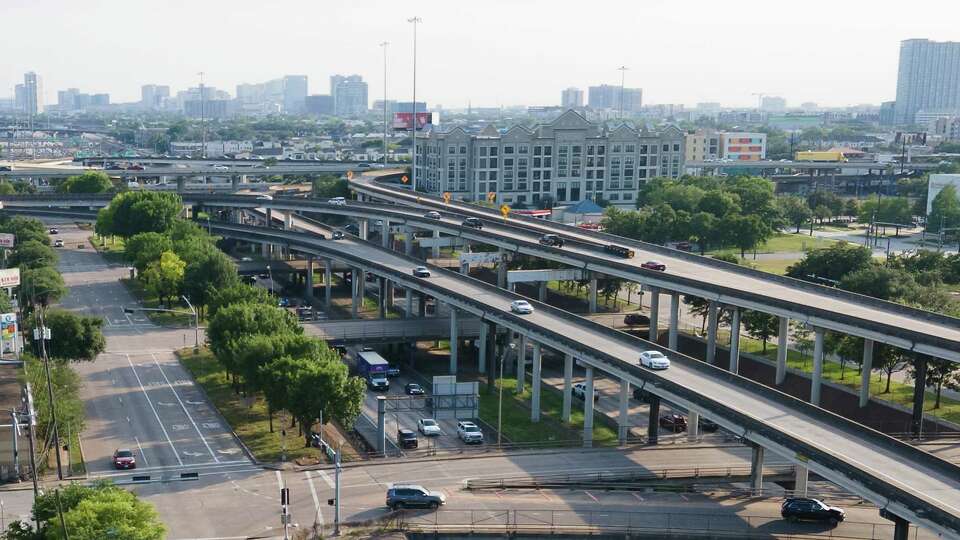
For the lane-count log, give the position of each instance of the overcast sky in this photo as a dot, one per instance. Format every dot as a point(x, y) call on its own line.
point(489, 52)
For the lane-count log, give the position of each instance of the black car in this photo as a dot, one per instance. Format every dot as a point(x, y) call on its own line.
point(406, 438)
point(551, 240)
point(54, 230)
point(473, 223)
point(803, 509)
point(708, 426)
point(413, 389)
point(337, 235)
point(674, 422)
point(5, 168)
point(412, 496)
point(636, 319)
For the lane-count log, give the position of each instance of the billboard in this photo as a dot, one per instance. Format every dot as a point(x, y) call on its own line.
point(6, 240)
point(9, 277)
point(403, 121)
point(8, 326)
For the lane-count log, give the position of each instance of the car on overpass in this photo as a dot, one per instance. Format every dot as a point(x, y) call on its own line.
point(406, 438)
point(421, 271)
point(521, 306)
point(413, 389)
point(432, 215)
point(674, 422)
point(429, 427)
point(469, 432)
point(654, 265)
point(473, 223)
point(337, 201)
point(805, 509)
point(551, 240)
point(654, 360)
point(636, 319)
point(337, 235)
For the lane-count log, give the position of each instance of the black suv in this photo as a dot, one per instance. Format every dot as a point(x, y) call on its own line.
point(473, 223)
point(406, 438)
point(803, 509)
point(551, 240)
point(412, 496)
point(636, 319)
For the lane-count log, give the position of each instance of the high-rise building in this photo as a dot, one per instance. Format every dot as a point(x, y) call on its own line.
point(152, 96)
point(407, 107)
point(33, 88)
point(773, 104)
point(608, 96)
point(928, 78)
point(20, 98)
point(571, 98)
point(319, 104)
point(294, 93)
point(100, 100)
point(349, 95)
point(67, 99)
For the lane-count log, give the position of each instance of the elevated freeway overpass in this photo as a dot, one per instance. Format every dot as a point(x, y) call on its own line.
point(173, 172)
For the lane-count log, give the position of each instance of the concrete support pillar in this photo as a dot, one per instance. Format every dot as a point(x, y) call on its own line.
point(465, 269)
point(364, 227)
point(567, 387)
point(265, 250)
point(502, 270)
point(535, 384)
point(327, 284)
point(435, 250)
point(674, 320)
point(782, 350)
point(653, 421)
point(454, 340)
point(735, 341)
point(542, 293)
point(490, 353)
point(382, 425)
point(421, 305)
point(308, 289)
point(800, 481)
point(408, 240)
point(713, 312)
point(385, 234)
point(693, 426)
point(288, 220)
point(482, 349)
point(817, 376)
point(919, 391)
point(382, 292)
point(390, 288)
point(588, 409)
point(654, 312)
point(623, 420)
point(408, 311)
point(866, 368)
point(521, 363)
point(269, 218)
point(592, 293)
point(901, 528)
point(756, 469)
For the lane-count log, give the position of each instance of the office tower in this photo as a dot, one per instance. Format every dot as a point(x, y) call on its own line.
point(608, 96)
point(152, 96)
point(294, 93)
point(773, 104)
point(33, 96)
point(349, 95)
point(928, 78)
point(571, 97)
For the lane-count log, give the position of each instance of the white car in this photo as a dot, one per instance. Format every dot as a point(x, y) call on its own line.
point(337, 201)
point(264, 198)
point(521, 306)
point(469, 432)
point(580, 390)
point(654, 360)
point(429, 427)
point(221, 168)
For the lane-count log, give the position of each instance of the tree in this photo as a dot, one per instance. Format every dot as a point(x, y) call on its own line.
point(888, 210)
point(795, 210)
point(822, 212)
point(880, 282)
point(889, 360)
point(851, 207)
point(144, 248)
point(212, 271)
point(44, 284)
point(231, 323)
point(940, 373)
point(944, 210)
point(75, 337)
point(720, 203)
point(847, 348)
point(745, 232)
point(760, 325)
point(88, 182)
point(164, 276)
point(32, 254)
point(26, 229)
point(6, 188)
point(802, 333)
point(134, 212)
point(832, 262)
point(323, 387)
point(238, 293)
point(329, 186)
point(97, 512)
point(703, 230)
point(829, 199)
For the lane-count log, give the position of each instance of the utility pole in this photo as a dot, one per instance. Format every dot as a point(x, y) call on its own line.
point(623, 76)
point(42, 333)
point(413, 161)
point(384, 45)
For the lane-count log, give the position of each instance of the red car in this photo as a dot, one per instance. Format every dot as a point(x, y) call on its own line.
point(123, 459)
point(654, 265)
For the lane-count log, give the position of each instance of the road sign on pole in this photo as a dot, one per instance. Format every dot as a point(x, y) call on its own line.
point(446, 197)
point(504, 210)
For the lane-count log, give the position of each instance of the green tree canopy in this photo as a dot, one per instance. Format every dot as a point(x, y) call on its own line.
point(833, 262)
point(45, 284)
point(26, 229)
point(134, 212)
point(323, 387)
point(88, 182)
point(101, 511)
point(888, 210)
point(880, 282)
point(145, 248)
point(239, 293)
point(164, 276)
point(203, 276)
point(231, 323)
point(945, 210)
point(795, 210)
point(75, 337)
point(32, 254)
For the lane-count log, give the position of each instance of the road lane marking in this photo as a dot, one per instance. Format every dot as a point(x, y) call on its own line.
point(326, 478)
point(318, 517)
point(152, 408)
point(279, 479)
point(184, 407)
point(142, 455)
point(635, 494)
point(591, 496)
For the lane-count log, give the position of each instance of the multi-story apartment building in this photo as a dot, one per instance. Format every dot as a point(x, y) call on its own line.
point(928, 78)
point(703, 144)
point(349, 95)
point(948, 128)
point(607, 96)
point(571, 98)
point(568, 160)
point(739, 146)
point(153, 96)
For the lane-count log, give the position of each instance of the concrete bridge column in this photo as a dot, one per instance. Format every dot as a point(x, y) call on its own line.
point(735, 341)
point(653, 420)
point(382, 304)
point(269, 217)
point(465, 269)
point(435, 250)
point(408, 240)
point(454, 340)
point(288, 220)
point(490, 352)
point(382, 425)
point(623, 421)
point(919, 391)
point(567, 386)
point(408, 312)
point(364, 229)
point(502, 270)
point(265, 250)
point(235, 182)
point(674, 320)
point(521, 363)
point(180, 183)
point(327, 284)
point(800, 480)
point(535, 383)
point(782, 350)
point(308, 290)
point(390, 290)
point(385, 234)
point(542, 293)
point(693, 426)
point(901, 528)
point(421, 305)
point(654, 312)
point(592, 292)
point(756, 469)
point(588, 409)
point(713, 312)
point(865, 370)
point(482, 348)
point(817, 375)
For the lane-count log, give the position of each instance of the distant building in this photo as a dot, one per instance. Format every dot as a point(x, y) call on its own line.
point(67, 99)
point(391, 106)
point(33, 93)
point(888, 111)
point(20, 97)
point(948, 128)
point(349, 95)
point(208, 108)
point(567, 160)
point(100, 100)
point(319, 105)
point(571, 98)
point(407, 106)
point(608, 96)
point(702, 145)
point(153, 96)
point(773, 104)
point(287, 94)
point(294, 93)
point(928, 78)
point(936, 185)
point(740, 146)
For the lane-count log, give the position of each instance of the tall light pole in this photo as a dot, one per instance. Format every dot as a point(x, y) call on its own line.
point(203, 123)
point(623, 77)
point(384, 45)
point(413, 161)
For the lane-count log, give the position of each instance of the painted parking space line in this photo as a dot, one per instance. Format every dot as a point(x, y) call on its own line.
point(318, 515)
point(154, 409)
point(184, 407)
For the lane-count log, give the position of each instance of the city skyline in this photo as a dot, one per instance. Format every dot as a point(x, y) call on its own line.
point(482, 69)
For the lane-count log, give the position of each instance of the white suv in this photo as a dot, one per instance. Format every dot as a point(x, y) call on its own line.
point(337, 201)
point(469, 433)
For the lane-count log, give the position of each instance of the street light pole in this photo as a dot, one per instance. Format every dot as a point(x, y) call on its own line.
point(270, 274)
point(413, 161)
point(623, 76)
point(384, 45)
point(196, 322)
point(503, 359)
point(43, 334)
point(203, 122)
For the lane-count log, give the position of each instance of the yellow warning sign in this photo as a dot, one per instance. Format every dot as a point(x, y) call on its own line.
point(404, 179)
point(504, 209)
point(349, 175)
point(446, 197)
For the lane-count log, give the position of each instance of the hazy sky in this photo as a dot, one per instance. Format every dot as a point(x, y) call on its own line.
point(488, 52)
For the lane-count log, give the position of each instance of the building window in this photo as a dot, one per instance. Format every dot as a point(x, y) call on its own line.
point(483, 150)
point(537, 150)
point(676, 147)
point(628, 196)
point(617, 148)
point(546, 175)
point(451, 149)
point(493, 162)
point(546, 186)
point(508, 149)
point(493, 150)
point(536, 174)
point(483, 163)
point(561, 191)
point(631, 148)
point(600, 149)
point(463, 149)
point(548, 150)
point(523, 149)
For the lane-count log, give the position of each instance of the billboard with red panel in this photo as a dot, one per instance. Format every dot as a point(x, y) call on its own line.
point(404, 121)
